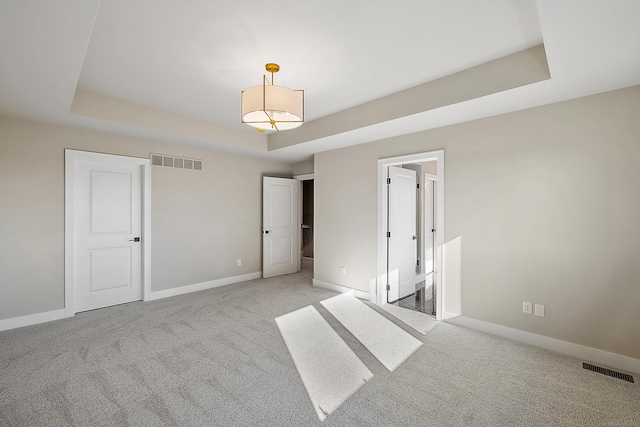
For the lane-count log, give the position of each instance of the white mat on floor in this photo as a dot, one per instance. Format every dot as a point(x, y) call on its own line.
point(330, 370)
point(421, 322)
point(385, 340)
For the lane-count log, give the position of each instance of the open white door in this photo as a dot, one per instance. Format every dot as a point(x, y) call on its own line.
point(280, 226)
point(401, 236)
point(107, 229)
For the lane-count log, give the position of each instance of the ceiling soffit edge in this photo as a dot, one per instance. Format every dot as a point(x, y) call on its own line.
point(509, 72)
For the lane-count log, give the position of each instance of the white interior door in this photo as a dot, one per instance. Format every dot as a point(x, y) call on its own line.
point(402, 236)
point(107, 225)
point(280, 226)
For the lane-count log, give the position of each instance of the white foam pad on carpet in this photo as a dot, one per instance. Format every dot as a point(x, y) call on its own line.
point(421, 322)
point(385, 340)
point(330, 370)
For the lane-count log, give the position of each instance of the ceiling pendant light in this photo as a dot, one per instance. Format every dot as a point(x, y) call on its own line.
point(272, 107)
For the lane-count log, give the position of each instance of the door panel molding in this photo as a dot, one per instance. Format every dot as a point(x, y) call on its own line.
point(72, 158)
point(280, 226)
point(402, 225)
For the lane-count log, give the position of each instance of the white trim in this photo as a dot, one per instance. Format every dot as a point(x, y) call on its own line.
point(70, 157)
point(303, 177)
point(180, 290)
point(600, 357)
point(448, 315)
point(146, 231)
point(381, 277)
point(48, 316)
point(341, 289)
point(430, 176)
point(32, 319)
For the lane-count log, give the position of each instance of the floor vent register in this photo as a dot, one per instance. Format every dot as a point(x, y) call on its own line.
point(608, 372)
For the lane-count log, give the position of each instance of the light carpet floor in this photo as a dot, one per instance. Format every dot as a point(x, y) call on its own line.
point(217, 358)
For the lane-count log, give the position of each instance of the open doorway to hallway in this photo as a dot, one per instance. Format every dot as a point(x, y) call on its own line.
point(410, 225)
point(411, 235)
point(306, 221)
point(420, 294)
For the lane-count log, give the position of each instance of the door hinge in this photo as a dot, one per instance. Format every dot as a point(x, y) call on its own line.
point(388, 234)
point(388, 287)
point(388, 180)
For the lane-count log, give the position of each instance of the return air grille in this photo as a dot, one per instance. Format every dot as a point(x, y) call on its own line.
point(175, 162)
point(608, 372)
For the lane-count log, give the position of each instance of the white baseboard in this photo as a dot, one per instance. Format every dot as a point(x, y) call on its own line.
point(600, 357)
point(447, 315)
point(342, 289)
point(204, 285)
point(32, 319)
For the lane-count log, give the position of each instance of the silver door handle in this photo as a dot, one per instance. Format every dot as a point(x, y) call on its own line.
point(135, 239)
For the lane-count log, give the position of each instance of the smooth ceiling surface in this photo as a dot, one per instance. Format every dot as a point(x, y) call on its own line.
point(196, 56)
point(173, 71)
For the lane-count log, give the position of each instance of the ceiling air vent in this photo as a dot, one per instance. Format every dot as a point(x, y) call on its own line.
point(175, 162)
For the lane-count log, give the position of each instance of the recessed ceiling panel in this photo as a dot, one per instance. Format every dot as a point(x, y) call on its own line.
point(196, 56)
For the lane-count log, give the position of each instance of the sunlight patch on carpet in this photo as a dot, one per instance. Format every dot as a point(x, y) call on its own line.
point(329, 369)
point(421, 322)
point(386, 341)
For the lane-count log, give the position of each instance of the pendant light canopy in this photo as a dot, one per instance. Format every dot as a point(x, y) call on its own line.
point(271, 107)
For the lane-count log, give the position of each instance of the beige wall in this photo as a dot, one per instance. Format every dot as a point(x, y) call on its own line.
point(303, 168)
point(201, 221)
point(430, 167)
point(546, 204)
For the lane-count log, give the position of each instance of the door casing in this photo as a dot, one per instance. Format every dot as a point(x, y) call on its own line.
point(71, 157)
point(380, 294)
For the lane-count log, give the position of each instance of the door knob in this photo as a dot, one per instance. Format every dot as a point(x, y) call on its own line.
point(266, 231)
point(135, 239)
point(415, 237)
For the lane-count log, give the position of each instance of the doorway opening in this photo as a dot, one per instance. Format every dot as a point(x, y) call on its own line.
point(410, 232)
point(418, 292)
point(307, 222)
point(307, 218)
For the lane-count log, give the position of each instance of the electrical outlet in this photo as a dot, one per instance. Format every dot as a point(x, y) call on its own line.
point(539, 310)
point(239, 262)
point(343, 270)
point(526, 307)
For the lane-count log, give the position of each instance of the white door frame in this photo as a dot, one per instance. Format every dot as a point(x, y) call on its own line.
point(381, 276)
point(71, 156)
